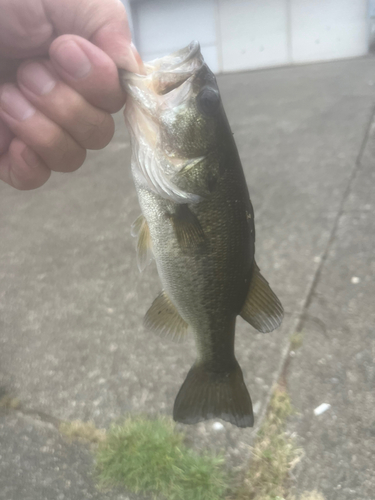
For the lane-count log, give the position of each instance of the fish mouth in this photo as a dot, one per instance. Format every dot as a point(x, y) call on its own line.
point(177, 61)
point(166, 83)
point(170, 72)
point(166, 73)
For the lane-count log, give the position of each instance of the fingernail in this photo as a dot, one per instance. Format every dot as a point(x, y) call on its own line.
point(30, 157)
point(137, 58)
point(14, 103)
point(37, 78)
point(131, 60)
point(72, 59)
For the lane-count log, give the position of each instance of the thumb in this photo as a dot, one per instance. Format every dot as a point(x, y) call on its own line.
point(102, 22)
point(112, 40)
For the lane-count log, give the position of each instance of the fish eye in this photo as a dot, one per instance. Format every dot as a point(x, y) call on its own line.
point(208, 101)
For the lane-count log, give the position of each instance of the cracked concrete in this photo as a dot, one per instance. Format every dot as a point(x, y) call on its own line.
point(336, 363)
point(72, 343)
point(37, 463)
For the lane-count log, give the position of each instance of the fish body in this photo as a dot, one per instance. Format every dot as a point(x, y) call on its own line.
point(198, 222)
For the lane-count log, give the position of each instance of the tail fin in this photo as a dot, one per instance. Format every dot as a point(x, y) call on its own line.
point(206, 394)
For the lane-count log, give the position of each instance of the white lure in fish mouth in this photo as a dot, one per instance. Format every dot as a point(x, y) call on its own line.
point(165, 87)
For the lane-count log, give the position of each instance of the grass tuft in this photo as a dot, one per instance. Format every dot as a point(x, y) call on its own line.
point(274, 454)
point(82, 431)
point(296, 340)
point(149, 456)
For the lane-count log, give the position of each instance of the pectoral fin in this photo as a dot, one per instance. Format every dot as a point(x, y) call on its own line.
point(141, 230)
point(187, 227)
point(164, 319)
point(262, 309)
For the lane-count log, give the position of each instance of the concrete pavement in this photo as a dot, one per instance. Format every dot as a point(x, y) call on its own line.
point(72, 345)
point(336, 363)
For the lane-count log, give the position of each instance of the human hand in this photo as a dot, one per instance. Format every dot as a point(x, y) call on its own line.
point(58, 83)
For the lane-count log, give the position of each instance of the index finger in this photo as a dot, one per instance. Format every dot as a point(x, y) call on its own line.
point(88, 70)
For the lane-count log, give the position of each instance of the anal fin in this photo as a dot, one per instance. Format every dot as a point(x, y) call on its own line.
point(141, 230)
point(164, 319)
point(262, 309)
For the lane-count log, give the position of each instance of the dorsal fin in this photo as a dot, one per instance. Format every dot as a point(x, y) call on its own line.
point(164, 319)
point(141, 230)
point(262, 309)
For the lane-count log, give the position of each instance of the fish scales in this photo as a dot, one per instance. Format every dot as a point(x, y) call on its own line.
point(199, 223)
point(215, 287)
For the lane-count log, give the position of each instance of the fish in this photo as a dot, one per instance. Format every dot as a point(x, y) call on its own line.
point(197, 222)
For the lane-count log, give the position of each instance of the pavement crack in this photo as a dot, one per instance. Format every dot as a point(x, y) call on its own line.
point(303, 315)
point(10, 404)
point(340, 212)
point(41, 415)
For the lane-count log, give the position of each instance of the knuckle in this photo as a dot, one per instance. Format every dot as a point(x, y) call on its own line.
point(98, 133)
point(116, 103)
point(72, 156)
point(49, 139)
point(26, 181)
point(23, 177)
point(64, 154)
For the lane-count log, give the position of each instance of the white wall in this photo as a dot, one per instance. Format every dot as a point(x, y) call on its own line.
point(253, 33)
point(249, 34)
point(163, 26)
point(328, 29)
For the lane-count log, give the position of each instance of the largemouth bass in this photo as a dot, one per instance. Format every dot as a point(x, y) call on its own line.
point(198, 222)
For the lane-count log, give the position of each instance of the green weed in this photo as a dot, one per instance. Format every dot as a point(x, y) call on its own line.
point(149, 456)
point(274, 454)
point(296, 340)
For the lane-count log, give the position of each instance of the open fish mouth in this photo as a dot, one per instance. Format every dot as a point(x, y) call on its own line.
point(169, 72)
point(176, 61)
point(167, 81)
